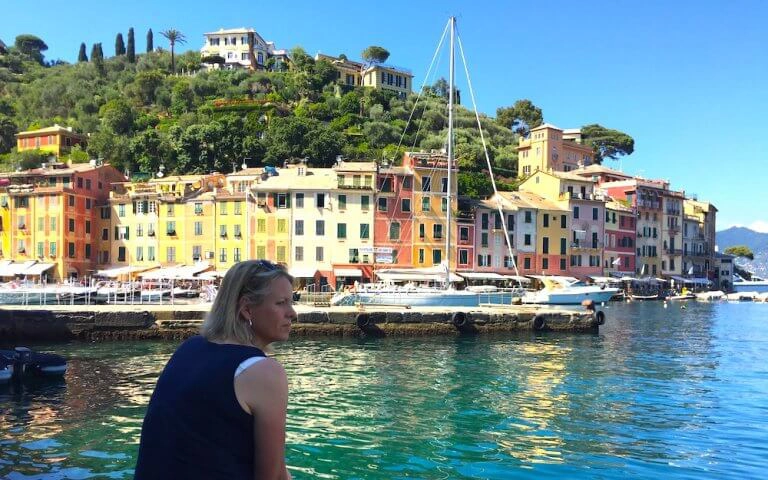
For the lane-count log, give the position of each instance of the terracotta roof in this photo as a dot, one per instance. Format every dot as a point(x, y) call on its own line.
point(48, 130)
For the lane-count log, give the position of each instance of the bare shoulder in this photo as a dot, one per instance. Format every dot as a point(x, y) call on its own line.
point(263, 383)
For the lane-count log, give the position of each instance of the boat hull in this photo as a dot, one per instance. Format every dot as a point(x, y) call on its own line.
point(461, 298)
point(757, 287)
point(570, 298)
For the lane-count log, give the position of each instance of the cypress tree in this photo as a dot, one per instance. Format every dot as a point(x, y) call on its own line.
point(119, 45)
point(97, 54)
point(131, 50)
point(150, 46)
point(82, 57)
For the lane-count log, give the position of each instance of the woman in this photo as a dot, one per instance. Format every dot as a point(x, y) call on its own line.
point(219, 407)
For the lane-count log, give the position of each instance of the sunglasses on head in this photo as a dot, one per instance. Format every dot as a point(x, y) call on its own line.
point(267, 266)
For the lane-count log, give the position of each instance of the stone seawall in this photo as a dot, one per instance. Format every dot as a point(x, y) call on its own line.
point(118, 322)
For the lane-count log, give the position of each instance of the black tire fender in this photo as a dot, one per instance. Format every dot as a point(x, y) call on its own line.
point(363, 320)
point(600, 317)
point(539, 322)
point(459, 319)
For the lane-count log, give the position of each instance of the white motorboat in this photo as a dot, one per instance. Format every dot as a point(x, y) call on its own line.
point(567, 291)
point(757, 284)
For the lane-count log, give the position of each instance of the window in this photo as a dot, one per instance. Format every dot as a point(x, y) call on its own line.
point(365, 202)
point(463, 256)
point(444, 204)
point(298, 254)
point(319, 254)
point(238, 231)
point(121, 210)
point(299, 227)
point(52, 249)
point(105, 234)
point(342, 202)
point(426, 184)
point(545, 219)
point(365, 230)
point(120, 254)
point(71, 200)
point(320, 200)
point(88, 203)
point(527, 239)
point(341, 230)
point(71, 249)
point(594, 240)
point(282, 225)
point(198, 208)
point(527, 263)
point(594, 213)
point(545, 245)
point(139, 254)
point(386, 184)
point(71, 224)
point(198, 228)
point(238, 208)
point(437, 231)
point(444, 184)
point(464, 234)
point(169, 210)
point(238, 254)
point(170, 228)
point(421, 255)
point(528, 218)
point(405, 205)
point(222, 255)
point(437, 256)
point(151, 254)
point(282, 200)
point(223, 231)
point(320, 227)
point(425, 207)
point(197, 252)
point(354, 255)
point(407, 183)
point(575, 212)
point(544, 263)
point(40, 249)
point(87, 181)
point(87, 226)
point(394, 231)
point(261, 226)
point(563, 220)
point(563, 244)
point(484, 221)
point(299, 200)
point(484, 239)
point(382, 204)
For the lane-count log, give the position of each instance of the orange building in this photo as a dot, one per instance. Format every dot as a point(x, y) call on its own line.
point(54, 215)
point(57, 140)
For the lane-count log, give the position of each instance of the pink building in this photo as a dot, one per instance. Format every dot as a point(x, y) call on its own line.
point(393, 218)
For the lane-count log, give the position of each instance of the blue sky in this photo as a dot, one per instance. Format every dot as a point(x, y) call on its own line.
point(687, 79)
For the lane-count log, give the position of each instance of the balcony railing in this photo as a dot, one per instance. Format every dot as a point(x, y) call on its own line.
point(673, 251)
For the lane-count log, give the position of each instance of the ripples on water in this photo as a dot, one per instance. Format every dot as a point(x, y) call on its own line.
point(673, 393)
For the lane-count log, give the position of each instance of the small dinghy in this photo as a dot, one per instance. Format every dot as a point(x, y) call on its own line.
point(22, 362)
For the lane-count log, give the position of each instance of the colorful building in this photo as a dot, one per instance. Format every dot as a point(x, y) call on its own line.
point(56, 140)
point(432, 198)
point(699, 249)
point(54, 215)
point(620, 238)
point(548, 148)
point(672, 233)
point(393, 217)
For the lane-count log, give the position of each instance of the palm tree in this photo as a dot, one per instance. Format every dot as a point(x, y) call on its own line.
point(174, 37)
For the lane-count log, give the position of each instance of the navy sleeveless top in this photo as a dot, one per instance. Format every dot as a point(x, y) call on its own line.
point(194, 426)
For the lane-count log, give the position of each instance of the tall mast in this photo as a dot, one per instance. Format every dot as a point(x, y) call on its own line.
point(449, 193)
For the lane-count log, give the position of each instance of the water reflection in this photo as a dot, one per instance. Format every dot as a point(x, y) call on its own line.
point(658, 392)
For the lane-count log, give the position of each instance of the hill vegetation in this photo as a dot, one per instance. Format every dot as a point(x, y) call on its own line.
point(159, 108)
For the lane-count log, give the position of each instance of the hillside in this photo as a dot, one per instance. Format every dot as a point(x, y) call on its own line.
point(756, 241)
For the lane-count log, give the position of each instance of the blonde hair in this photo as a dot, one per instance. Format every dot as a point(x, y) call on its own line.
point(251, 280)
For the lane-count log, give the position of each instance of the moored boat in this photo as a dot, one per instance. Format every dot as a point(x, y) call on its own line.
point(22, 362)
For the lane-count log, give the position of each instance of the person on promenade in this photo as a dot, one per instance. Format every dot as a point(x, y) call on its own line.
point(218, 410)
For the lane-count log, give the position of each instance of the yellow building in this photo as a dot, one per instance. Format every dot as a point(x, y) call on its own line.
point(56, 140)
point(241, 48)
point(357, 74)
point(549, 148)
point(5, 223)
point(430, 206)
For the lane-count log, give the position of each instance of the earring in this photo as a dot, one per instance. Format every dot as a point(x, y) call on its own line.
point(250, 323)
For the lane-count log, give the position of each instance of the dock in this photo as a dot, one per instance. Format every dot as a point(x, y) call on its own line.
point(137, 322)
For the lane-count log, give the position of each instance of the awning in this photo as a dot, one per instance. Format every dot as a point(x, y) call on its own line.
point(415, 276)
point(302, 272)
point(212, 275)
point(4, 266)
point(160, 273)
point(120, 271)
point(518, 278)
point(39, 268)
point(188, 272)
point(347, 272)
point(17, 268)
point(599, 279)
point(481, 275)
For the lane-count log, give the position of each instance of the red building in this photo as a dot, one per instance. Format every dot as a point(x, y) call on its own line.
point(393, 217)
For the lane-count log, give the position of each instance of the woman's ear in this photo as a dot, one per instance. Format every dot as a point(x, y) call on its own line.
point(244, 308)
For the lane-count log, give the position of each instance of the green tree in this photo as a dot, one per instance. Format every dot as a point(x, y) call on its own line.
point(375, 54)
point(131, 48)
point(520, 117)
point(474, 184)
point(150, 41)
point(607, 143)
point(8, 132)
point(740, 251)
point(174, 36)
point(117, 116)
point(81, 56)
point(300, 60)
point(97, 54)
point(119, 45)
point(31, 46)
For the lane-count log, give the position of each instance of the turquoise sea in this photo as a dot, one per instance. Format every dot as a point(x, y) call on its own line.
point(658, 393)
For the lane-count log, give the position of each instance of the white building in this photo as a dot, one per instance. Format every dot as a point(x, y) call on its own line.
point(240, 48)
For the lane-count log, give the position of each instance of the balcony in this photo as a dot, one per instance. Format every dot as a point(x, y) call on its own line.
point(673, 251)
point(584, 245)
